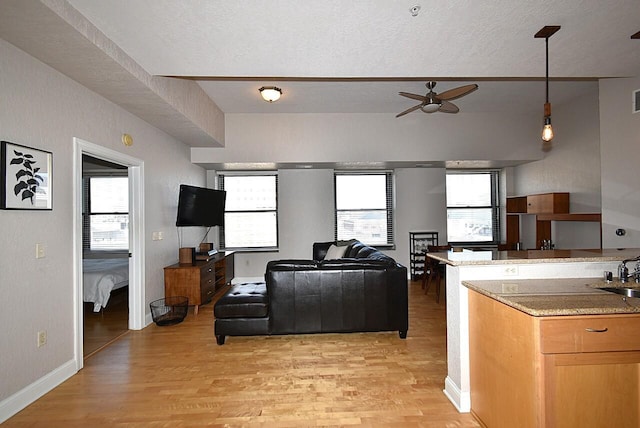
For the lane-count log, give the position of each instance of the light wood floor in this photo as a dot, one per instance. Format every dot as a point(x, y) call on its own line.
point(178, 376)
point(102, 328)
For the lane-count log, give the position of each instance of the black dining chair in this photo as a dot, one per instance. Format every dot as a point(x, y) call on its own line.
point(433, 270)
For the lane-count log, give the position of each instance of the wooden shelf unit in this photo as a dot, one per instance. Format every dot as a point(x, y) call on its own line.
point(418, 242)
point(547, 207)
point(199, 281)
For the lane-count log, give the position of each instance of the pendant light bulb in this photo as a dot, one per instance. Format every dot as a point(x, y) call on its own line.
point(547, 131)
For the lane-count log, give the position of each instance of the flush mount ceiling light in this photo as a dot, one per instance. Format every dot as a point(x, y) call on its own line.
point(546, 32)
point(270, 93)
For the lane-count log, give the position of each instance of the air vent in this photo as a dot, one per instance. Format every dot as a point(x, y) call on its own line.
point(636, 101)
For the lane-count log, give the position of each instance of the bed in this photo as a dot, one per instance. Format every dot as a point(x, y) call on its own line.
point(101, 277)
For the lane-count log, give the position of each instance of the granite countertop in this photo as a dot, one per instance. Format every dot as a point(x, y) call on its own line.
point(557, 297)
point(469, 257)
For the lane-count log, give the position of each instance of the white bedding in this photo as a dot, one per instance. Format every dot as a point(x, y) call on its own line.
point(100, 277)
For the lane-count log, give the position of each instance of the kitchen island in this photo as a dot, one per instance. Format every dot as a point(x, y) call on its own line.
point(472, 266)
point(554, 353)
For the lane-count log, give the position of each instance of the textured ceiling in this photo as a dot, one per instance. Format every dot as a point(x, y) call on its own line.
point(371, 38)
point(339, 56)
point(327, 56)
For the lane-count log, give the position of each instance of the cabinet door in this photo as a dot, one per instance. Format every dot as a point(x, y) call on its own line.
point(548, 203)
point(517, 205)
point(183, 281)
point(593, 390)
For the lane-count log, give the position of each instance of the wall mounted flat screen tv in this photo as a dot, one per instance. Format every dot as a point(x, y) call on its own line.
point(199, 206)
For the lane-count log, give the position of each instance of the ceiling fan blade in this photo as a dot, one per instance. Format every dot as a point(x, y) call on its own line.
point(448, 107)
point(456, 93)
point(413, 96)
point(409, 110)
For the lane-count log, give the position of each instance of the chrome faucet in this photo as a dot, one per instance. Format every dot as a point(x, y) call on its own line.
point(623, 270)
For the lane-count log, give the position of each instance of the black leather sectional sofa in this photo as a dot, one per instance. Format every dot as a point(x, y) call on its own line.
point(364, 290)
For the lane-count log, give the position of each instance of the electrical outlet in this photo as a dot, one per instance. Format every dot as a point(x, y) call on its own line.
point(157, 236)
point(40, 253)
point(42, 338)
point(509, 288)
point(511, 270)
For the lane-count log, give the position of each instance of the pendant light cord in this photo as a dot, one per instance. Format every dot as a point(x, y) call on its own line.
point(546, 40)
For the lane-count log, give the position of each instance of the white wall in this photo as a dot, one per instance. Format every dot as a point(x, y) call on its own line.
point(620, 160)
point(306, 214)
point(361, 138)
point(573, 165)
point(421, 205)
point(43, 109)
point(306, 196)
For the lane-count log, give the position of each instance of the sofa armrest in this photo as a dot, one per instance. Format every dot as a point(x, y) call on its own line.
point(291, 264)
point(320, 249)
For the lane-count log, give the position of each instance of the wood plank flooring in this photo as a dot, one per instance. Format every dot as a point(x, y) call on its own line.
point(177, 376)
point(102, 328)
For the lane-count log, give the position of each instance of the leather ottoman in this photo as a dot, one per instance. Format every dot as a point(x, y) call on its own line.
point(242, 311)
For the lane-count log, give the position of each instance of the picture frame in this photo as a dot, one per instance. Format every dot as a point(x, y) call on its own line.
point(27, 178)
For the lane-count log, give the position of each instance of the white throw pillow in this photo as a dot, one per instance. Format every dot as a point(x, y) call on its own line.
point(335, 252)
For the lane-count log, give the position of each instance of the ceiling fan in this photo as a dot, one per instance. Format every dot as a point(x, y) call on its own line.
point(433, 102)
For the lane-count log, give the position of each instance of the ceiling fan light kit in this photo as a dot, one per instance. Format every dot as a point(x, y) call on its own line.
point(544, 33)
point(433, 102)
point(270, 93)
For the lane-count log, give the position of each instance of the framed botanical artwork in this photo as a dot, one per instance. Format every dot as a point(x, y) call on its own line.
point(26, 178)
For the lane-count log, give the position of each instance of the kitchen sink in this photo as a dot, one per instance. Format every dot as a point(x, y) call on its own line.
point(625, 291)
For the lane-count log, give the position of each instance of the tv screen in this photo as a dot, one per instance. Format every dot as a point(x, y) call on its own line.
point(199, 206)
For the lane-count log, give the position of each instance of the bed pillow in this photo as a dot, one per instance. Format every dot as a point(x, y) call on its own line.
point(335, 252)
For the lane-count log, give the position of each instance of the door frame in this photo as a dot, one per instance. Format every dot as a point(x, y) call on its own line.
point(137, 316)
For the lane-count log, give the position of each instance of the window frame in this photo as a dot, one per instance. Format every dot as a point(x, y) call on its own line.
point(221, 229)
point(389, 209)
point(494, 206)
point(87, 213)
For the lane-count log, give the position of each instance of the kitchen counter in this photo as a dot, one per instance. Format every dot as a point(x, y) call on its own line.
point(470, 257)
point(538, 276)
point(557, 297)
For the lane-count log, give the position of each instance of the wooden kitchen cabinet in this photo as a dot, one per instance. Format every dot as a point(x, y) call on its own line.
point(547, 208)
point(562, 371)
point(517, 205)
point(548, 203)
point(201, 280)
point(544, 203)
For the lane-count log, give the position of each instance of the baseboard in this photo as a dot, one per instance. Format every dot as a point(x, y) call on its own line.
point(242, 280)
point(148, 319)
point(462, 400)
point(21, 399)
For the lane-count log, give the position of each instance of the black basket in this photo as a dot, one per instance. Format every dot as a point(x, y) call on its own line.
point(170, 310)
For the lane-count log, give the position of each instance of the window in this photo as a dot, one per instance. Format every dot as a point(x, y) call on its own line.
point(251, 211)
point(473, 210)
point(364, 207)
point(106, 213)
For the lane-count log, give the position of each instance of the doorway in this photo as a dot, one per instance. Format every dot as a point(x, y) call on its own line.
point(105, 252)
point(135, 290)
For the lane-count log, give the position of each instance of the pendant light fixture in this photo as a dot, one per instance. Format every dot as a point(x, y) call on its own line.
point(546, 32)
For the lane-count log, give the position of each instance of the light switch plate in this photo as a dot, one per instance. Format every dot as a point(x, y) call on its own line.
point(40, 253)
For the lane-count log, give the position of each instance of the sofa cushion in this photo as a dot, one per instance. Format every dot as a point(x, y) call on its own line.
point(352, 264)
point(248, 300)
point(353, 249)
